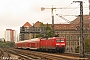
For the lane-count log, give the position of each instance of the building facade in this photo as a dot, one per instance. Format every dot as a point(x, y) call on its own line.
point(24, 31)
point(29, 32)
point(10, 35)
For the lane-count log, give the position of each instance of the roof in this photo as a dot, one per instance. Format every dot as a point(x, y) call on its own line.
point(75, 23)
point(63, 26)
point(68, 26)
point(8, 29)
point(37, 24)
point(27, 24)
point(85, 20)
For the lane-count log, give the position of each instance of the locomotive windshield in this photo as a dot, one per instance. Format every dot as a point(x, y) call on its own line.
point(62, 40)
point(59, 40)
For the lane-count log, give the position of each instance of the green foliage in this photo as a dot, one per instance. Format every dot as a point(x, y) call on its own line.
point(87, 45)
point(41, 25)
point(39, 35)
point(77, 49)
point(6, 44)
point(48, 31)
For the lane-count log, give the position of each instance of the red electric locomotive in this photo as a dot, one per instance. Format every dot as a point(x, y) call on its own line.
point(57, 44)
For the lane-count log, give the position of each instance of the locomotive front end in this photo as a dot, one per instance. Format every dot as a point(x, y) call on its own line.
point(60, 45)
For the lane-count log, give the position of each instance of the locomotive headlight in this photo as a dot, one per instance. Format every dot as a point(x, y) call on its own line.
point(57, 44)
point(62, 44)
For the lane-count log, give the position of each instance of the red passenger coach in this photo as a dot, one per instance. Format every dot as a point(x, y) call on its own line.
point(35, 43)
point(31, 44)
point(57, 44)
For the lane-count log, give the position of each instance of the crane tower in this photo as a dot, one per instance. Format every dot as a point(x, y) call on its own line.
point(89, 9)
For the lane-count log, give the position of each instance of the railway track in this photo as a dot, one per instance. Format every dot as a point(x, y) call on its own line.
point(27, 54)
point(30, 55)
point(23, 55)
point(4, 55)
point(34, 55)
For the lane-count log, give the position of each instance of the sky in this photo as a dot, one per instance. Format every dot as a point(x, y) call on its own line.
point(15, 13)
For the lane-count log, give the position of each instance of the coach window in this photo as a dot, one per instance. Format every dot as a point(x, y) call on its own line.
point(37, 43)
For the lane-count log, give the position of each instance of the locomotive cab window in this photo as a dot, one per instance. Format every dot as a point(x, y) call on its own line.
point(59, 40)
point(62, 40)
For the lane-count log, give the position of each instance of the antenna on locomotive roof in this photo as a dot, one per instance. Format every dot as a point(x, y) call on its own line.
point(57, 35)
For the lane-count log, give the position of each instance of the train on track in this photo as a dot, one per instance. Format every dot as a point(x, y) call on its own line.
point(54, 44)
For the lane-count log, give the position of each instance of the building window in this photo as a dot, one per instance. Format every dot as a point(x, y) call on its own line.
point(74, 37)
point(67, 43)
point(61, 31)
point(71, 43)
point(78, 37)
point(63, 36)
point(78, 43)
point(70, 37)
point(75, 43)
point(67, 37)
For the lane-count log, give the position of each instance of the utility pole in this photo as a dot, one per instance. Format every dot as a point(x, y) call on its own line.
point(89, 10)
point(52, 21)
point(33, 29)
point(81, 30)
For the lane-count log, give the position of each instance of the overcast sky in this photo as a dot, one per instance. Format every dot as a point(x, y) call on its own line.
point(14, 13)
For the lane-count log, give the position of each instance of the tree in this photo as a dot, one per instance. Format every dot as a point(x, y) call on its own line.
point(6, 44)
point(42, 25)
point(39, 35)
point(48, 31)
point(87, 45)
point(77, 49)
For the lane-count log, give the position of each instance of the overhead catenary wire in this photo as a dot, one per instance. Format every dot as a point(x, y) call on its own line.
point(64, 8)
point(70, 9)
point(68, 14)
point(73, 10)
